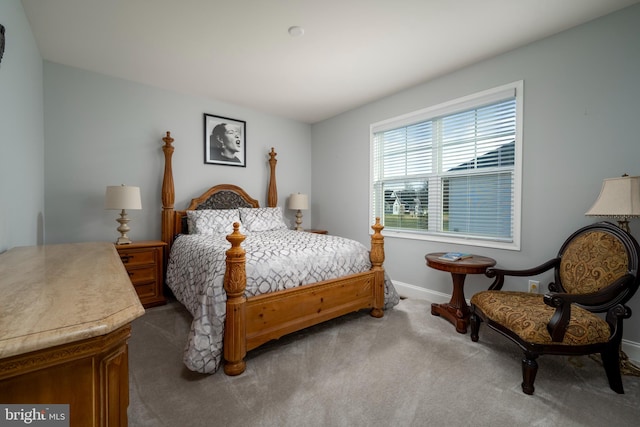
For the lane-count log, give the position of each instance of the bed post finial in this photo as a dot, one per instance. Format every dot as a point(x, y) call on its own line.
point(272, 197)
point(376, 255)
point(377, 245)
point(168, 195)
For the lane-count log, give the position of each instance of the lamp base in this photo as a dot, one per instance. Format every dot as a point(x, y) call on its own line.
point(626, 365)
point(123, 240)
point(299, 221)
point(123, 229)
point(624, 224)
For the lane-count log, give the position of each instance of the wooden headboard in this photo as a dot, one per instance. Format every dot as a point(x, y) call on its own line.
point(222, 196)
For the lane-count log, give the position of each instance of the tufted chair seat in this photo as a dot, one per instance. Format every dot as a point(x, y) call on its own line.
point(595, 272)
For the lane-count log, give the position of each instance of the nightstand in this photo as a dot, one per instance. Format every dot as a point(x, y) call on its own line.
point(313, 230)
point(143, 261)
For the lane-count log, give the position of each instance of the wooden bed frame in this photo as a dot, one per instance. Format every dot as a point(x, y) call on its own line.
point(251, 322)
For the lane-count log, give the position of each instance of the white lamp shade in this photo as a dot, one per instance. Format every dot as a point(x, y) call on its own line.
point(122, 197)
point(619, 198)
point(298, 201)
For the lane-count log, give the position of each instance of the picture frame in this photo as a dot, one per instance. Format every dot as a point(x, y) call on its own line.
point(225, 141)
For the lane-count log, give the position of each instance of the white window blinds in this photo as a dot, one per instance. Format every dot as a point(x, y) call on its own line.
point(450, 170)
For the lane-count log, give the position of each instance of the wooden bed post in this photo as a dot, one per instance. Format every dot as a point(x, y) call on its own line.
point(235, 281)
point(168, 197)
point(272, 196)
point(377, 258)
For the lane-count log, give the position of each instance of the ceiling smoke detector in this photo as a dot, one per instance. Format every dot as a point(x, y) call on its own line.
point(296, 31)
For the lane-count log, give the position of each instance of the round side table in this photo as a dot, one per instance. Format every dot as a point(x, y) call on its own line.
point(456, 310)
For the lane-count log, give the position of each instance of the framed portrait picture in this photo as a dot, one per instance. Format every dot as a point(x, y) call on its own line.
point(225, 141)
point(1, 41)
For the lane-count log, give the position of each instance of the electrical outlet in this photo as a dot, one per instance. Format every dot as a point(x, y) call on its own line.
point(533, 286)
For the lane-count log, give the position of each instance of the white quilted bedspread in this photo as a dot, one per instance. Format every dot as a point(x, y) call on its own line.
point(275, 260)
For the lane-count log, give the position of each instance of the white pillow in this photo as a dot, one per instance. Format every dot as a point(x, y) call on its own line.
point(262, 219)
point(212, 221)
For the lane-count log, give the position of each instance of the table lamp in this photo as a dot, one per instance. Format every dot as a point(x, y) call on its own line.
point(298, 202)
point(620, 199)
point(123, 197)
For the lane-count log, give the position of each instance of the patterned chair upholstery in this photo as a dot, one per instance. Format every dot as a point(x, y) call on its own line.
point(595, 271)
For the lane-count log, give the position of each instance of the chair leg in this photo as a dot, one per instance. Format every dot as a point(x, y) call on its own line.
point(611, 363)
point(474, 323)
point(529, 371)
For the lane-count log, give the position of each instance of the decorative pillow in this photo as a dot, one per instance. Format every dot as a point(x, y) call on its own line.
point(212, 221)
point(262, 219)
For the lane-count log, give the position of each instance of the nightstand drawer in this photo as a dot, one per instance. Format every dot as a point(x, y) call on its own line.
point(134, 257)
point(146, 291)
point(142, 275)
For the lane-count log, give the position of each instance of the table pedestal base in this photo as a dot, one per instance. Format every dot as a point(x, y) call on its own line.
point(457, 316)
point(457, 310)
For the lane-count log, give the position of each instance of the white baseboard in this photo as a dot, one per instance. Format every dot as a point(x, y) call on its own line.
point(416, 292)
point(631, 348)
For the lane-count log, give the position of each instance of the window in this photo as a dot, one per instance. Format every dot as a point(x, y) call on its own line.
point(451, 173)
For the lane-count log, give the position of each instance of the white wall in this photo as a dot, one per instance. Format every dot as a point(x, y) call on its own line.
point(21, 133)
point(581, 112)
point(106, 131)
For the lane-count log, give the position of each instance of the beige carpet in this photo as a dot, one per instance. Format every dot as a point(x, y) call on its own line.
point(406, 369)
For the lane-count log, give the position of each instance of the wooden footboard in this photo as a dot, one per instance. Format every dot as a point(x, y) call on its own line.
point(251, 322)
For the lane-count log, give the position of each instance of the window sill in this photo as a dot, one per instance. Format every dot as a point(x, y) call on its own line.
point(441, 238)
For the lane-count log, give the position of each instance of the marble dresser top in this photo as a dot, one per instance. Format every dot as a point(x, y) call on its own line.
point(56, 294)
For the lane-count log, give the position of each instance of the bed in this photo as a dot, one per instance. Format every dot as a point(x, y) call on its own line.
point(261, 280)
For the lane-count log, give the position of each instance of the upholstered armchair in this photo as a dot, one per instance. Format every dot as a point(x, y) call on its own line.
point(595, 271)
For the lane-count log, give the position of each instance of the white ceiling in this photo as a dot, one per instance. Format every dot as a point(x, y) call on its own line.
point(239, 51)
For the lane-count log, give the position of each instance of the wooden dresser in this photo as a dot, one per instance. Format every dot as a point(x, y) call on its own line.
point(143, 261)
point(65, 318)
